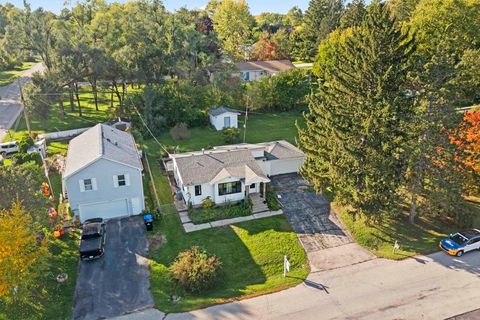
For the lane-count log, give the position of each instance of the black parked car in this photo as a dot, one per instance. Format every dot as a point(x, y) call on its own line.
point(92, 241)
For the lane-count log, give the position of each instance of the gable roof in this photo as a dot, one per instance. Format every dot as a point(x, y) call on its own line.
point(213, 166)
point(271, 66)
point(220, 110)
point(101, 142)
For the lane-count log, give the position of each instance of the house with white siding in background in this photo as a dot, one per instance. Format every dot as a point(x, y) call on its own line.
point(102, 177)
point(254, 70)
point(231, 173)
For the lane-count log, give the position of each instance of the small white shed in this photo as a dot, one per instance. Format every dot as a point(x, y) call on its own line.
point(223, 117)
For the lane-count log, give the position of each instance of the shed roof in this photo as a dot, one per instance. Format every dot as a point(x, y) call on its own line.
point(221, 110)
point(101, 141)
point(270, 66)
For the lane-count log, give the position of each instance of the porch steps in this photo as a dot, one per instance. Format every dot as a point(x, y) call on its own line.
point(259, 204)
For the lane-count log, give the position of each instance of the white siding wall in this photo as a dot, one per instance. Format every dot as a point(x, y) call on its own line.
point(207, 191)
point(230, 197)
point(218, 121)
point(103, 171)
point(283, 166)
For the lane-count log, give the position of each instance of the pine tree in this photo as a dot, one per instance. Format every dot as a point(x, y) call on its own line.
point(356, 125)
point(321, 18)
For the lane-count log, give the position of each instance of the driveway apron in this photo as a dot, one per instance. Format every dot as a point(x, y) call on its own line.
point(117, 283)
point(327, 244)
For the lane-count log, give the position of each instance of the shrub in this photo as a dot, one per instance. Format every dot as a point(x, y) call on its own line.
point(231, 135)
point(20, 158)
point(195, 270)
point(24, 143)
point(272, 201)
point(208, 203)
point(180, 132)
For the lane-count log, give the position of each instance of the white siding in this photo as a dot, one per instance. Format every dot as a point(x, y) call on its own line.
point(207, 191)
point(229, 197)
point(283, 166)
point(218, 121)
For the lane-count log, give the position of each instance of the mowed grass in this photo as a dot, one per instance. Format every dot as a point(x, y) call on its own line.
point(251, 254)
point(50, 299)
point(8, 76)
point(261, 127)
point(379, 238)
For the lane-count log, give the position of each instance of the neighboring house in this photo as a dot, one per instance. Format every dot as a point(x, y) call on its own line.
point(223, 117)
point(254, 70)
point(231, 172)
point(102, 177)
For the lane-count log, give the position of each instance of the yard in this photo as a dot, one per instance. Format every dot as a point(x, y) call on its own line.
point(8, 76)
point(232, 210)
point(50, 299)
point(251, 254)
point(379, 238)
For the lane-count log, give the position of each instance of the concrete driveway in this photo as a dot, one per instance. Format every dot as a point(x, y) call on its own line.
point(118, 283)
point(326, 242)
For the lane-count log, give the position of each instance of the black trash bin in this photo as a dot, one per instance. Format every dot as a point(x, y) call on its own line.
point(148, 219)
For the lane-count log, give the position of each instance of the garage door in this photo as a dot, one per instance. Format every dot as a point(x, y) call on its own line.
point(105, 210)
point(284, 166)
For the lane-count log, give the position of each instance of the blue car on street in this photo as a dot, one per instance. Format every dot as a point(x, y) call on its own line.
point(461, 242)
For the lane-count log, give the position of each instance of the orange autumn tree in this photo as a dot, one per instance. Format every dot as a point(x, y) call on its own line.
point(19, 249)
point(467, 139)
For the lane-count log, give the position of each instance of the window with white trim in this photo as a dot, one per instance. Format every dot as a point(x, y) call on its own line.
point(198, 190)
point(87, 184)
point(121, 180)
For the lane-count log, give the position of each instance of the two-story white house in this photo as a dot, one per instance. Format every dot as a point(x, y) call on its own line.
point(102, 177)
point(230, 173)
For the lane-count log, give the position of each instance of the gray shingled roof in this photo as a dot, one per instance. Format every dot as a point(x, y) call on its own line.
point(101, 141)
point(197, 168)
point(220, 110)
point(280, 149)
point(270, 66)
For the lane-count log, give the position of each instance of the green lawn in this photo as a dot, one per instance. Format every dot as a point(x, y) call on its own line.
point(50, 299)
point(203, 215)
point(260, 128)
point(251, 254)
point(421, 238)
point(8, 76)
point(161, 181)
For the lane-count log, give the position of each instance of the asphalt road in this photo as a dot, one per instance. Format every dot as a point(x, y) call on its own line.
point(10, 104)
point(426, 287)
point(118, 282)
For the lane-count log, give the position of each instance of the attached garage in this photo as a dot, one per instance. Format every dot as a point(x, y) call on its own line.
point(105, 210)
point(283, 166)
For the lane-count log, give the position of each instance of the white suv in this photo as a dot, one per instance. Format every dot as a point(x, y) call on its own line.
point(8, 148)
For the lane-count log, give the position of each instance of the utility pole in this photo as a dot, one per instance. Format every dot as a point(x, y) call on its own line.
point(25, 113)
point(246, 118)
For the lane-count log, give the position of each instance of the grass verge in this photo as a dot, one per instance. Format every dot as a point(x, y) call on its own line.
point(8, 76)
point(251, 254)
point(379, 238)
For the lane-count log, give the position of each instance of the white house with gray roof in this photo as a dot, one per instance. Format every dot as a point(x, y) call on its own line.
point(102, 177)
point(231, 172)
point(223, 117)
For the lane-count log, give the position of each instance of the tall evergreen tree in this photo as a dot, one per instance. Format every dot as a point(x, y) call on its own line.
point(353, 15)
point(321, 18)
point(355, 133)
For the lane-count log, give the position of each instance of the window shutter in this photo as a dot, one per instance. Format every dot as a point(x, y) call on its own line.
point(94, 184)
point(82, 185)
point(127, 179)
point(115, 181)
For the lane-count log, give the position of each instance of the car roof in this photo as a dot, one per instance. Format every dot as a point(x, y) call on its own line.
point(92, 228)
point(470, 233)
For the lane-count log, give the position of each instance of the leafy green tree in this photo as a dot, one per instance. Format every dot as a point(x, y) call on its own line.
point(403, 9)
point(444, 31)
point(294, 17)
point(283, 92)
point(233, 24)
point(355, 133)
point(321, 18)
point(272, 46)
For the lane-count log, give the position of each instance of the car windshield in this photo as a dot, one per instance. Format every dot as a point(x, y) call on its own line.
point(91, 235)
point(458, 238)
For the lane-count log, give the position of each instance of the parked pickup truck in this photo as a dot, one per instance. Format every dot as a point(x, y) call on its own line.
point(92, 241)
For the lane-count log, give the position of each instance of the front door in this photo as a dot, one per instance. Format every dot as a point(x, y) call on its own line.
point(226, 122)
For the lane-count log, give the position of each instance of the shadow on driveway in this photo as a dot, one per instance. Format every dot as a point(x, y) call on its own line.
point(117, 283)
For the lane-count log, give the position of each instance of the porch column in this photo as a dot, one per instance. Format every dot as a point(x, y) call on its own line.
point(265, 190)
point(247, 191)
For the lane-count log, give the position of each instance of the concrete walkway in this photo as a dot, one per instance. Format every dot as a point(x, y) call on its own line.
point(189, 226)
